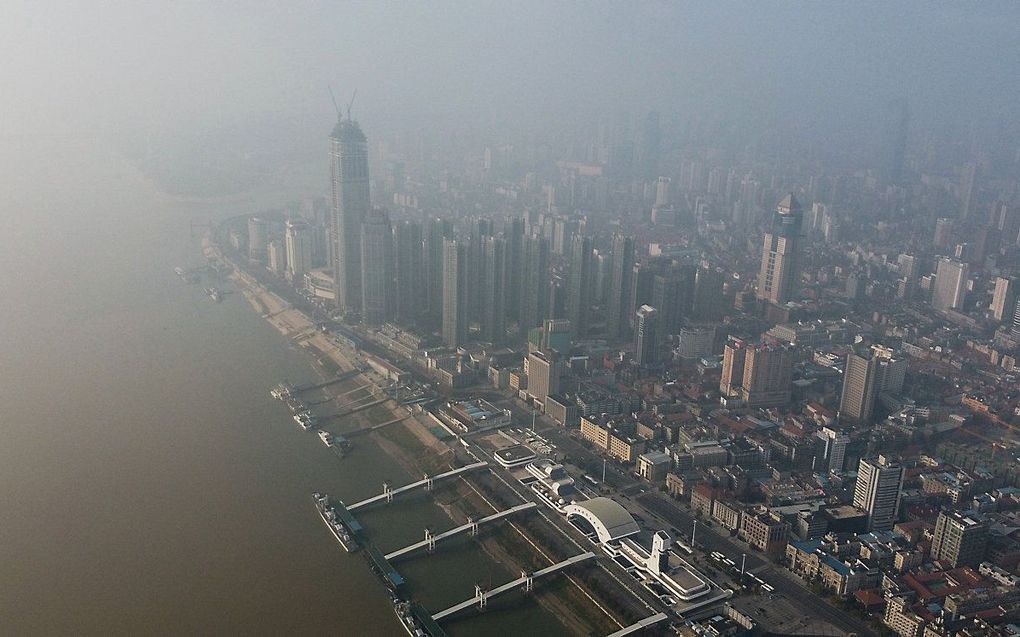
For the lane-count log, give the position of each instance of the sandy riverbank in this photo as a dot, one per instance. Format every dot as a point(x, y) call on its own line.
point(299, 329)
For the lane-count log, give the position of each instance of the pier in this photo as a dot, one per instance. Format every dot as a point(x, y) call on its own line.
point(527, 580)
point(638, 626)
point(382, 566)
point(369, 386)
point(283, 391)
point(427, 482)
point(428, 625)
point(367, 430)
point(359, 405)
point(346, 395)
point(345, 516)
point(472, 525)
point(297, 389)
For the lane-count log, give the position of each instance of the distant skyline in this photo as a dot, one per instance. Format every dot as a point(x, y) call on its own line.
point(160, 70)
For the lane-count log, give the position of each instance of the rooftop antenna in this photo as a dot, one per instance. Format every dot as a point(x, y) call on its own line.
point(351, 103)
point(333, 97)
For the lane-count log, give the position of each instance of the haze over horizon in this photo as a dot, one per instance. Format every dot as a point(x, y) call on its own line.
point(152, 74)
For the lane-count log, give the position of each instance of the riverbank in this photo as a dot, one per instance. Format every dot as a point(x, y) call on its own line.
point(417, 450)
point(143, 404)
point(301, 331)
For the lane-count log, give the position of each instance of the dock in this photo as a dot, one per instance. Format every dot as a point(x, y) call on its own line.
point(526, 579)
point(640, 625)
point(345, 516)
point(429, 625)
point(366, 430)
point(339, 378)
point(361, 407)
point(472, 525)
point(427, 482)
point(385, 569)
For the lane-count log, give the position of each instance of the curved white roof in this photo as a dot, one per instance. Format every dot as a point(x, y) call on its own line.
point(610, 519)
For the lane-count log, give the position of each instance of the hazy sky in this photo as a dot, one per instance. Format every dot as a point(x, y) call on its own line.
point(158, 68)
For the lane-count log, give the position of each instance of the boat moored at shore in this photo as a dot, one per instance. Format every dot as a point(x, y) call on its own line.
point(188, 276)
point(405, 614)
point(336, 527)
point(306, 419)
point(281, 392)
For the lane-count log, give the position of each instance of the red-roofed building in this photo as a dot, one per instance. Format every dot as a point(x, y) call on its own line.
point(821, 415)
point(936, 586)
point(913, 531)
point(872, 601)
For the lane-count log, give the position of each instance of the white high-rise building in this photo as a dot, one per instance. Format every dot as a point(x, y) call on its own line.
point(1003, 298)
point(298, 239)
point(950, 285)
point(277, 257)
point(646, 336)
point(258, 238)
point(878, 489)
point(780, 268)
point(818, 214)
point(663, 194)
point(959, 539)
point(543, 375)
point(865, 377)
point(835, 448)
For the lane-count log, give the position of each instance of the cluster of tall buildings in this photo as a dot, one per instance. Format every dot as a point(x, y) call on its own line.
point(487, 280)
point(608, 267)
point(293, 256)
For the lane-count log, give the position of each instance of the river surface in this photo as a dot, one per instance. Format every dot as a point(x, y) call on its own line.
point(148, 483)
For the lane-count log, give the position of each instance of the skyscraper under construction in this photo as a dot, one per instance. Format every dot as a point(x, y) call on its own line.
point(348, 154)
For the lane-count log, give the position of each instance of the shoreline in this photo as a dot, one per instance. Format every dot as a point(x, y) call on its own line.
point(301, 331)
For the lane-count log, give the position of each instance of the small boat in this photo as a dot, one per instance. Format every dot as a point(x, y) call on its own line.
point(188, 276)
point(301, 419)
point(280, 392)
point(306, 419)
